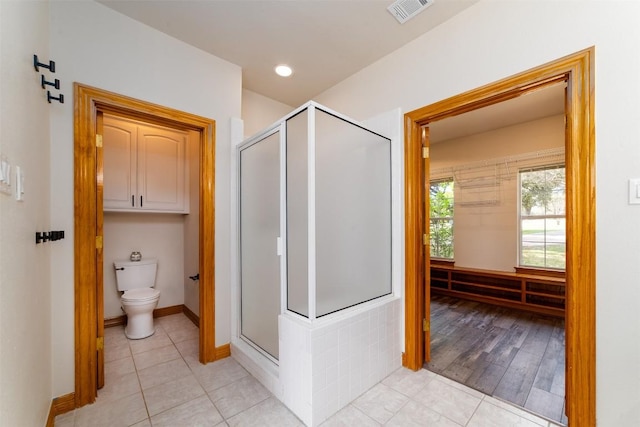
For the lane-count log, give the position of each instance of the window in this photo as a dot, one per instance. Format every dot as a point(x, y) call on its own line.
point(441, 218)
point(542, 217)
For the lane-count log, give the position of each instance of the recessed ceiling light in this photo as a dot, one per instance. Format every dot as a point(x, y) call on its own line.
point(284, 70)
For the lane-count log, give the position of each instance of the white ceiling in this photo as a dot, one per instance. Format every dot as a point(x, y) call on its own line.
point(545, 102)
point(324, 41)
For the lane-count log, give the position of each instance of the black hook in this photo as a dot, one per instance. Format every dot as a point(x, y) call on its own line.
point(42, 237)
point(56, 235)
point(51, 66)
point(55, 83)
point(49, 236)
point(196, 277)
point(59, 98)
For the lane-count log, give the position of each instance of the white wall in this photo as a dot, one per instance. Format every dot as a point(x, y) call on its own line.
point(495, 39)
point(258, 112)
point(487, 236)
point(155, 235)
point(25, 295)
point(99, 47)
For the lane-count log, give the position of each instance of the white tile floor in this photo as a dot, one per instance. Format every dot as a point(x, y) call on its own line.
point(158, 381)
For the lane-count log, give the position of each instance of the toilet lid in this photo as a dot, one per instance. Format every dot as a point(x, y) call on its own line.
point(140, 294)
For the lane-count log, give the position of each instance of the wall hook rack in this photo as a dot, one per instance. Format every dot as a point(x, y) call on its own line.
point(51, 66)
point(49, 236)
point(43, 82)
point(59, 98)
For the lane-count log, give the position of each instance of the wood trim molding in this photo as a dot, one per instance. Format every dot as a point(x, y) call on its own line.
point(578, 72)
point(414, 249)
point(581, 242)
point(116, 321)
point(85, 233)
point(168, 311)
point(207, 243)
point(443, 262)
point(60, 405)
point(158, 312)
point(195, 319)
point(88, 102)
point(223, 351)
point(540, 272)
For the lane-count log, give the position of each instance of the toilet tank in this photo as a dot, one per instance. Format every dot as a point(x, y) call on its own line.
point(138, 274)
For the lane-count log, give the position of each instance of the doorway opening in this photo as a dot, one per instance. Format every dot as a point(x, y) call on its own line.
point(496, 183)
point(90, 104)
point(577, 71)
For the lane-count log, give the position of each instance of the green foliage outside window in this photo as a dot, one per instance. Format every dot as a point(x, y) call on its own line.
point(441, 218)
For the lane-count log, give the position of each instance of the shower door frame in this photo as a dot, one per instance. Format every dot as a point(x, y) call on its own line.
point(272, 130)
point(281, 128)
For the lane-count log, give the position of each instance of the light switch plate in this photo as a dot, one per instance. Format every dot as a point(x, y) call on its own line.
point(5, 175)
point(19, 184)
point(634, 191)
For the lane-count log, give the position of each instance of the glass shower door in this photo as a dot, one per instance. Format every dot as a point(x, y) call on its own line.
point(259, 233)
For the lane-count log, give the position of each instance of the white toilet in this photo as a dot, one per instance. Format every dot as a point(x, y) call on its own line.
point(136, 279)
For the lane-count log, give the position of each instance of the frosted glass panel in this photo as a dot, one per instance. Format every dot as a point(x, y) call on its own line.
point(297, 217)
point(353, 214)
point(259, 229)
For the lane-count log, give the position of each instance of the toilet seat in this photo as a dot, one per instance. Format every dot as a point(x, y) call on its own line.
point(140, 295)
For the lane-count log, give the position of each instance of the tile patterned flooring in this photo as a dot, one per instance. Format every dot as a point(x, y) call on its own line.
point(513, 355)
point(158, 381)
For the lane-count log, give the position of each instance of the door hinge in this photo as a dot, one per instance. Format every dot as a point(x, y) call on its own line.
point(98, 242)
point(425, 239)
point(425, 325)
point(98, 140)
point(100, 343)
point(425, 152)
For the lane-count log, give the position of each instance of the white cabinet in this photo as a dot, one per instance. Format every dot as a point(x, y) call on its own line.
point(145, 167)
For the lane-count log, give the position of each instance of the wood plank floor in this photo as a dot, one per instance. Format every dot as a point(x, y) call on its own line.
point(512, 355)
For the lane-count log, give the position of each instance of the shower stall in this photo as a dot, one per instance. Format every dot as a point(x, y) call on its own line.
point(316, 302)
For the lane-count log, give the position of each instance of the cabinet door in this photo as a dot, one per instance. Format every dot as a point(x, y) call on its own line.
point(161, 169)
point(119, 172)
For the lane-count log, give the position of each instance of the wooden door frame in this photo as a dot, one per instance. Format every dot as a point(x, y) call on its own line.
point(578, 72)
point(88, 101)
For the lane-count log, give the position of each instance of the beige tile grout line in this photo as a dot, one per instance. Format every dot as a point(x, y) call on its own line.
point(224, 419)
point(135, 366)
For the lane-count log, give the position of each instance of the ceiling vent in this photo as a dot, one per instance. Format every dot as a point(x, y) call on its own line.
point(404, 10)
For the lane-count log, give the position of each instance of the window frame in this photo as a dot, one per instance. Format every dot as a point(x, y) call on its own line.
point(521, 217)
point(442, 219)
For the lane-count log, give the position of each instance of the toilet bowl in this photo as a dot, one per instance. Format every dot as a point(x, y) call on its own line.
point(139, 304)
point(136, 279)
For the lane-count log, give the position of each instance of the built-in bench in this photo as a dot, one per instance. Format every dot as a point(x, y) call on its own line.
point(533, 291)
